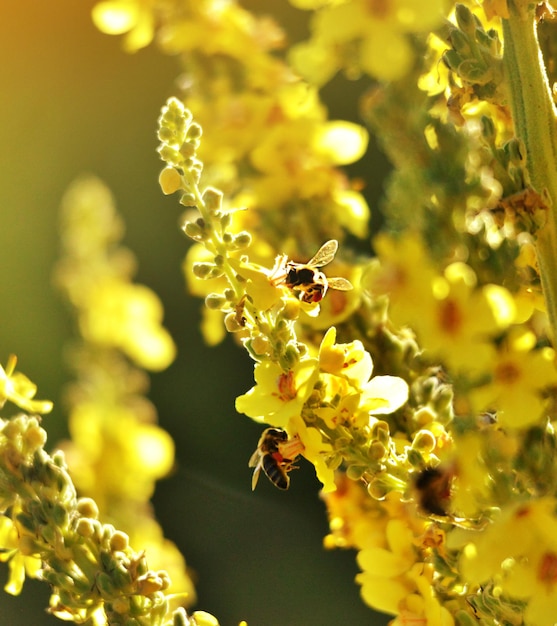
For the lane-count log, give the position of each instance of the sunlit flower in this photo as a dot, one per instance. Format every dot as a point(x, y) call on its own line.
point(380, 394)
point(19, 564)
point(17, 388)
point(278, 396)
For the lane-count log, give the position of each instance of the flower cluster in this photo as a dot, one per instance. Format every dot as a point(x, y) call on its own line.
point(47, 532)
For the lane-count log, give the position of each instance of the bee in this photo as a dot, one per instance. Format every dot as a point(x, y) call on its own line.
point(304, 279)
point(433, 487)
point(269, 457)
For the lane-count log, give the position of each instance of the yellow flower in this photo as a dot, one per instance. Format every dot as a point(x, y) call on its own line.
point(18, 563)
point(364, 36)
point(315, 450)
point(519, 375)
point(128, 316)
point(382, 579)
point(404, 273)
point(519, 551)
point(17, 388)
point(278, 396)
point(457, 323)
point(350, 361)
point(134, 18)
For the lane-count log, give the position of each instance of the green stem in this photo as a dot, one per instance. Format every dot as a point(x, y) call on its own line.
point(534, 117)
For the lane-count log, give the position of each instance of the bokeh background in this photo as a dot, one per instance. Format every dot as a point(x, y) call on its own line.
point(72, 102)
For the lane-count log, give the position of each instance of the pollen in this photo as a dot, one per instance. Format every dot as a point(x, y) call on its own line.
point(285, 386)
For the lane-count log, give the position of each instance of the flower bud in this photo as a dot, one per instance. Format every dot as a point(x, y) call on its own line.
point(169, 180)
point(215, 301)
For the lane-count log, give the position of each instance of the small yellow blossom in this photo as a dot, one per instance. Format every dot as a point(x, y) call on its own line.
point(384, 569)
point(380, 394)
point(278, 396)
point(17, 388)
point(520, 374)
point(18, 563)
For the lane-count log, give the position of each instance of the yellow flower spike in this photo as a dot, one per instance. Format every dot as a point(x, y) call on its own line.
point(17, 388)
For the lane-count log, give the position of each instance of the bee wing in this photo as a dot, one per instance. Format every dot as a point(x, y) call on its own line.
point(255, 476)
point(340, 284)
point(325, 254)
point(255, 458)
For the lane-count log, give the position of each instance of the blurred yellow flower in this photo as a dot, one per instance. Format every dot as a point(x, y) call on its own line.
point(519, 551)
point(520, 374)
point(363, 36)
point(134, 18)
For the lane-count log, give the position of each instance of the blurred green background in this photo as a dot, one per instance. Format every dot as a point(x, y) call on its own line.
point(73, 102)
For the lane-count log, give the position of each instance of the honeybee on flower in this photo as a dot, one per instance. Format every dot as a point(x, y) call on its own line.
point(305, 279)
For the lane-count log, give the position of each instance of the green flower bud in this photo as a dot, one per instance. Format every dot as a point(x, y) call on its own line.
point(232, 324)
point(424, 441)
point(415, 458)
point(193, 231)
point(242, 240)
point(85, 527)
point(105, 585)
point(212, 199)
point(452, 60)
point(377, 451)
point(355, 472)
point(215, 301)
point(475, 71)
point(291, 356)
point(380, 432)
point(188, 199)
point(87, 507)
point(119, 541)
point(202, 270)
point(170, 180)
point(465, 19)
point(462, 618)
point(461, 43)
